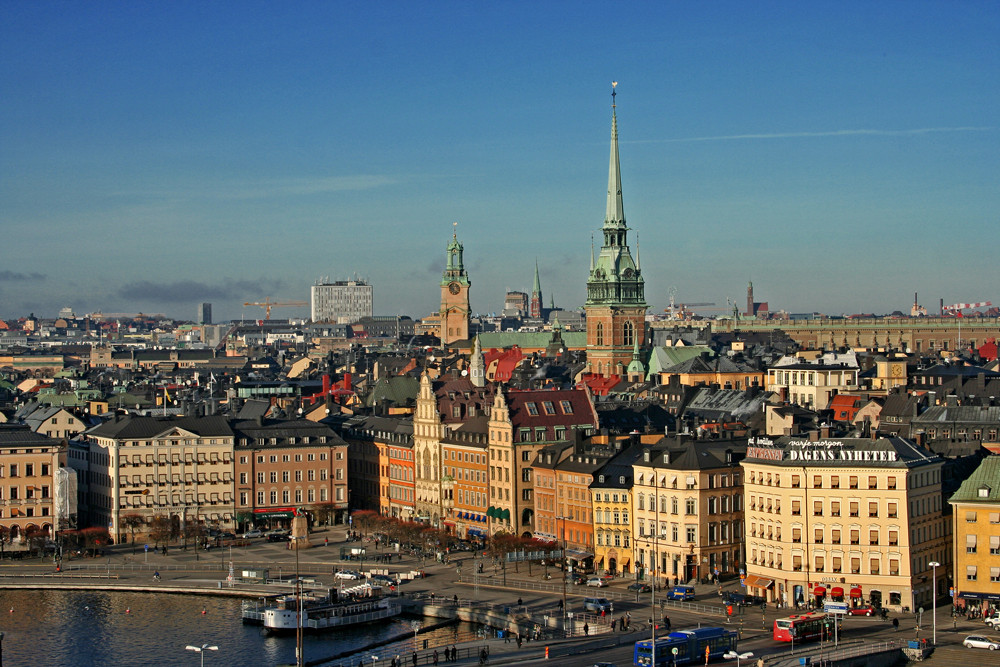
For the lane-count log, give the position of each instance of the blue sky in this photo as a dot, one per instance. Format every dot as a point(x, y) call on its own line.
point(155, 155)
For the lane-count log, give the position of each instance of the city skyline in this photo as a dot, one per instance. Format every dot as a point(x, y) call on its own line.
point(157, 157)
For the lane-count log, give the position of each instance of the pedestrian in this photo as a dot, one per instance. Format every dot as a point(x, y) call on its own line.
point(520, 602)
point(602, 613)
point(666, 622)
point(435, 656)
point(519, 640)
point(560, 605)
point(613, 621)
point(506, 637)
point(326, 541)
point(413, 660)
point(586, 630)
point(628, 619)
point(361, 662)
point(895, 625)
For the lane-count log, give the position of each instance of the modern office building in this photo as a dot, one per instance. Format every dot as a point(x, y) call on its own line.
point(341, 302)
point(204, 313)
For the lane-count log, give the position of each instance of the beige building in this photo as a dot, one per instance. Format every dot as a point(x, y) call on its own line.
point(28, 465)
point(688, 509)
point(181, 468)
point(811, 384)
point(848, 519)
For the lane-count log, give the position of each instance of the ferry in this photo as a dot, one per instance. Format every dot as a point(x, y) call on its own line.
point(336, 609)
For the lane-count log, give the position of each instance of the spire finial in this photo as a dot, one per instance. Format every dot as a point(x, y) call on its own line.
point(638, 263)
point(454, 234)
point(614, 84)
point(591, 252)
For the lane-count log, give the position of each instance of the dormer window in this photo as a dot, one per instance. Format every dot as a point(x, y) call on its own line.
point(532, 409)
point(600, 478)
point(984, 492)
point(621, 480)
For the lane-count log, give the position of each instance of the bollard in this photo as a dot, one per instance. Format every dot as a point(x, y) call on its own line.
point(546, 652)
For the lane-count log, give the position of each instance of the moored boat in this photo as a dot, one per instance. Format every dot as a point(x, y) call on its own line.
point(336, 609)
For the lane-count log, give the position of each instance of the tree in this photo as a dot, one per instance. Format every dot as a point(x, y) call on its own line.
point(322, 513)
point(160, 529)
point(133, 522)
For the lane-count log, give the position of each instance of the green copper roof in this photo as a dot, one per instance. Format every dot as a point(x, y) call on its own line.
point(987, 477)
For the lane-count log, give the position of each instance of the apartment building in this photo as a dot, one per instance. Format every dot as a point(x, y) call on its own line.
point(851, 519)
point(29, 464)
point(976, 527)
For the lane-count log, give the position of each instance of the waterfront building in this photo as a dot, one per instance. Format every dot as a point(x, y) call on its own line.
point(976, 528)
point(849, 519)
point(285, 464)
point(29, 491)
point(616, 304)
point(179, 468)
point(688, 509)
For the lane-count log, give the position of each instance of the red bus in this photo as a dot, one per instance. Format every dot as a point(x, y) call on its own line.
point(803, 627)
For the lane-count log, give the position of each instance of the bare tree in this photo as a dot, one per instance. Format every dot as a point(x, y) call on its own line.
point(160, 529)
point(133, 522)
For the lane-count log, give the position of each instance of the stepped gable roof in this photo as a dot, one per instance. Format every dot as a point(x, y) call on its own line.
point(891, 452)
point(986, 476)
point(459, 392)
point(136, 428)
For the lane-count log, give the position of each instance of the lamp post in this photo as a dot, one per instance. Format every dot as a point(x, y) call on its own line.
point(298, 604)
point(201, 649)
point(733, 655)
point(565, 564)
point(934, 566)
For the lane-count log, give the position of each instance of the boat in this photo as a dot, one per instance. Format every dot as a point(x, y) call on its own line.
point(335, 609)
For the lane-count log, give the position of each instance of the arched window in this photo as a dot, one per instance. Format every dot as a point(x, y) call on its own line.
point(599, 334)
point(628, 333)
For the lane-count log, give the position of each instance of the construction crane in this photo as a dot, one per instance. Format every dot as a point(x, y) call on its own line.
point(267, 305)
point(957, 308)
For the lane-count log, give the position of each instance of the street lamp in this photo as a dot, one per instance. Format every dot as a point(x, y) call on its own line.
point(298, 602)
point(201, 649)
point(934, 565)
point(733, 655)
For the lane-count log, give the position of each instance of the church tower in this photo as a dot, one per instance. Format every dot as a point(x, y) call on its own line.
point(454, 296)
point(536, 295)
point(616, 303)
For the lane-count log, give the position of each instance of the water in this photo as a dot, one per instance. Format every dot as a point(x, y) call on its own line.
point(82, 628)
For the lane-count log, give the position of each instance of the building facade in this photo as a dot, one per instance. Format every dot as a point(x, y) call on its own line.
point(455, 286)
point(342, 302)
point(976, 527)
point(850, 519)
point(29, 464)
point(616, 303)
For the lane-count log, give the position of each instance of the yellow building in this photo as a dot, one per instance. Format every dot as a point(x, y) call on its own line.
point(28, 489)
point(850, 519)
point(976, 524)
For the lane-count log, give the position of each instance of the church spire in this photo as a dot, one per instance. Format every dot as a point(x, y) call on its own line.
point(616, 212)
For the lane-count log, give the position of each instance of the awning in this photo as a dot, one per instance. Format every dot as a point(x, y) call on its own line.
point(474, 532)
point(837, 592)
point(757, 581)
point(819, 590)
point(856, 592)
point(491, 512)
point(505, 515)
point(979, 596)
point(576, 554)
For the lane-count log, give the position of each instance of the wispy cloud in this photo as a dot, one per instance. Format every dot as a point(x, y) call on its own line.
point(829, 133)
point(16, 276)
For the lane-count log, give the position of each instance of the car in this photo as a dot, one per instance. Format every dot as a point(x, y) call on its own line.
point(577, 579)
point(596, 582)
point(226, 536)
point(381, 579)
point(867, 610)
point(253, 532)
point(681, 593)
point(979, 641)
point(347, 574)
point(277, 537)
point(640, 588)
point(993, 621)
point(598, 605)
point(603, 664)
point(744, 599)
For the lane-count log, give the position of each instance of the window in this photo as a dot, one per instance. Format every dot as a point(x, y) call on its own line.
point(818, 536)
point(796, 508)
point(855, 536)
point(689, 506)
point(995, 574)
point(797, 563)
point(628, 333)
point(970, 544)
point(795, 481)
point(872, 482)
point(853, 482)
point(970, 517)
point(994, 545)
point(893, 538)
point(834, 508)
point(835, 535)
point(817, 482)
point(873, 508)
point(567, 407)
point(891, 484)
point(817, 508)
point(970, 572)
point(837, 565)
point(874, 565)
point(855, 566)
point(531, 408)
point(599, 334)
point(854, 508)
point(690, 530)
point(796, 535)
point(892, 513)
point(873, 537)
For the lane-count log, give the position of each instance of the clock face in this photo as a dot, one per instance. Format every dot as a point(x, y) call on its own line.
point(897, 371)
point(454, 288)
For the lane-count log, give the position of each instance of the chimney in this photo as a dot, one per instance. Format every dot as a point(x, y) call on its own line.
point(326, 383)
point(824, 432)
point(348, 382)
point(813, 436)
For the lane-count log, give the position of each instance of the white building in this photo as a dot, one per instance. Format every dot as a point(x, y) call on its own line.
point(342, 302)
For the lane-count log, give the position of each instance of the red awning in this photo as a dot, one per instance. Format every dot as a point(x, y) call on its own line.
point(819, 590)
point(856, 592)
point(837, 592)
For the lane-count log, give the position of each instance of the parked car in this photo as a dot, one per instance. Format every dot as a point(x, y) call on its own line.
point(277, 537)
point(347, 574)
point(993, 621)
point(598, 605)
point(640, 588)
point(577, 579)
point(681, 593)
point(226, 536)
point(381, 579)
point(596, 582)
point(867, 610)
point(979, 641)
point(253, 532)
point(744, 600)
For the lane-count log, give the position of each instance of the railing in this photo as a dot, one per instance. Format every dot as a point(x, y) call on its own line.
point(826, 656)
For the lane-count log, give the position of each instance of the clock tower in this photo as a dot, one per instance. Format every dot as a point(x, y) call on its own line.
point(454, 296)
point(616, 303)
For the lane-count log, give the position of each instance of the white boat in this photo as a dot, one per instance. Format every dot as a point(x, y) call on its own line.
point(337, 609)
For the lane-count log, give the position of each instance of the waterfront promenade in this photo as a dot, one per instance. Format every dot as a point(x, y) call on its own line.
point(521, 601)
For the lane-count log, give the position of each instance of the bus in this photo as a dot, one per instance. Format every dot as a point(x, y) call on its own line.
point(689, 644)
point(800, 627)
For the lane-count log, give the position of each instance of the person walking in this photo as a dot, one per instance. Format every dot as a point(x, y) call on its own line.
point(613, 621)
point(666, 622)
point(413, 660)
point(895, 625)
point(435, 656)
point(586, 630)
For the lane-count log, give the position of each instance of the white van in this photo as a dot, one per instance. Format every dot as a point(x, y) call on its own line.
point(598, 605)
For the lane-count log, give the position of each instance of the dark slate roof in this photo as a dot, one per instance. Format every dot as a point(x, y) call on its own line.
point(136, 428)
point(842, 452)
point(730, 404)
point(987, 475)
point(958, 414)
point(19, 435)
point(617, 467)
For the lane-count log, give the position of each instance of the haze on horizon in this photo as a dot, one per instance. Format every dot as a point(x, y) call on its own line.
point(842, 156)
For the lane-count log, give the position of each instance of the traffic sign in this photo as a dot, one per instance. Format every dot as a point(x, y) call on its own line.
point(674, 650)
point(835, 607)
point(146, 547)
point(951, 591)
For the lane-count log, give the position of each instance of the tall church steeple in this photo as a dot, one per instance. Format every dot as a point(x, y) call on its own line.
point(455, 285)
point(616, 304)
point(536, 295)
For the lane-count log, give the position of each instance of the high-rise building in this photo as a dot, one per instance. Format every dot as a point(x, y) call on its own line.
point(342, 301)
point(204, 313)
point(616, 304)
point(455, 285)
